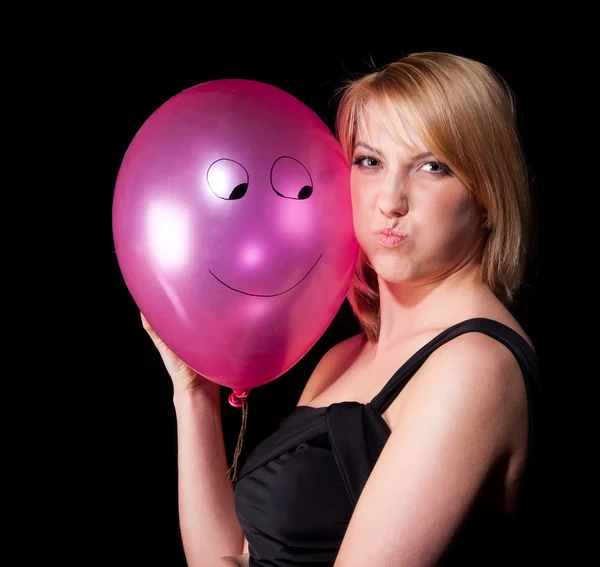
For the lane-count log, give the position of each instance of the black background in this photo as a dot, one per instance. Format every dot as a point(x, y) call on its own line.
point(136, 454)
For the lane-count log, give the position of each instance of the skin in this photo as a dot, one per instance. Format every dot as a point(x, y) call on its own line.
point(396, 183)
point(233, 561)
point(459, 427)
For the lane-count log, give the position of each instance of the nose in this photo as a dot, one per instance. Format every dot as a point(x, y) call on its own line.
point(393, 197)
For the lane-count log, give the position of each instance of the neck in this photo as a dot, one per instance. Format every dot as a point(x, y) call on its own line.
point(409, 308)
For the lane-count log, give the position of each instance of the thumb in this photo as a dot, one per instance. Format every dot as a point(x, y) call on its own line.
point(148, 328)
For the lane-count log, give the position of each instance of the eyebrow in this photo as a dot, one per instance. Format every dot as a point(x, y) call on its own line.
point(376, 151)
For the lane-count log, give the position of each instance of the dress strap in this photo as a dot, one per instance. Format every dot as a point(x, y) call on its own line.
point(521, 350)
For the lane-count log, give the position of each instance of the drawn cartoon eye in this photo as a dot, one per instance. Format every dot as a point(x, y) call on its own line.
point(227, 179)
point(290, 179)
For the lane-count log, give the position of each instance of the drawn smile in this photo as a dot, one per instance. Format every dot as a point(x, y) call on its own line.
point(269, 294)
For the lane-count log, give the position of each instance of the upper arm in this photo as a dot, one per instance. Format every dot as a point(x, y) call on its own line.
point(452, 431)
point(329, 367)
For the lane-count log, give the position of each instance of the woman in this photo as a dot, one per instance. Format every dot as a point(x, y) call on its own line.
point(412, 441)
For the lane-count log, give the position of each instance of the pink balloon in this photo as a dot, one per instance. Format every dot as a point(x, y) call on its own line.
point(232, 227)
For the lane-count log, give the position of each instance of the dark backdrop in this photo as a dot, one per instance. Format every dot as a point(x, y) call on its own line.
point(138, 435)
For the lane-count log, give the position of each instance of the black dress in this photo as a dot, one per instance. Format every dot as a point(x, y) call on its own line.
point(296, 491)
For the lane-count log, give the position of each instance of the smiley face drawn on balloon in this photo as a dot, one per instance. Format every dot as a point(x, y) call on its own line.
point(289, 179)
point(233, 229)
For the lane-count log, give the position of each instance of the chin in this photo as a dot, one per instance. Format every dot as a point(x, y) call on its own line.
point(390, 268)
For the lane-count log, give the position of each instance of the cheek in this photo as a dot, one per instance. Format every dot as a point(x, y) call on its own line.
point(459, 219)
point(467, 213)
point(360, 210)
point(363, 192)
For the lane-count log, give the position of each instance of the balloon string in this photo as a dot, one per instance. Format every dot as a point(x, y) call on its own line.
point(238, 449)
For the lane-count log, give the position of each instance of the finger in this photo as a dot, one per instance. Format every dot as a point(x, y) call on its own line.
point(147, 326)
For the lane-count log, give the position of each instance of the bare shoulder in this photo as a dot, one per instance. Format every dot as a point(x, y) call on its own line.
point(471, 392)
point(331, 365)
point(478, 368)
point(476, 348)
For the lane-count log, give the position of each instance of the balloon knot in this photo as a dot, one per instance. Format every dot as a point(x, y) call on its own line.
point(237, 398)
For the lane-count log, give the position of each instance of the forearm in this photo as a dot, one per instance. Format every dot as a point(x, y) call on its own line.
point(209, 526)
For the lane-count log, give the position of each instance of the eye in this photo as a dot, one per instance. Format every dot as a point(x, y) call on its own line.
point(366, 162)
point(437, 168)
point(290, 179)
point(227, 179)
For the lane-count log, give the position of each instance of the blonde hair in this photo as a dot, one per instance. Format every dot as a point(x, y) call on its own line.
point(464, 112)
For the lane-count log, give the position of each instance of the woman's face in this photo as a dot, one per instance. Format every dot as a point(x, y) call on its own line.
point(397, 184)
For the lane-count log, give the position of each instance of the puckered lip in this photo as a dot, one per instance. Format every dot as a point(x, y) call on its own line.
point(391, 232)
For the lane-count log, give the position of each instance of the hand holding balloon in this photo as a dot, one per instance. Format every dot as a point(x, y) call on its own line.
point(184, 378)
